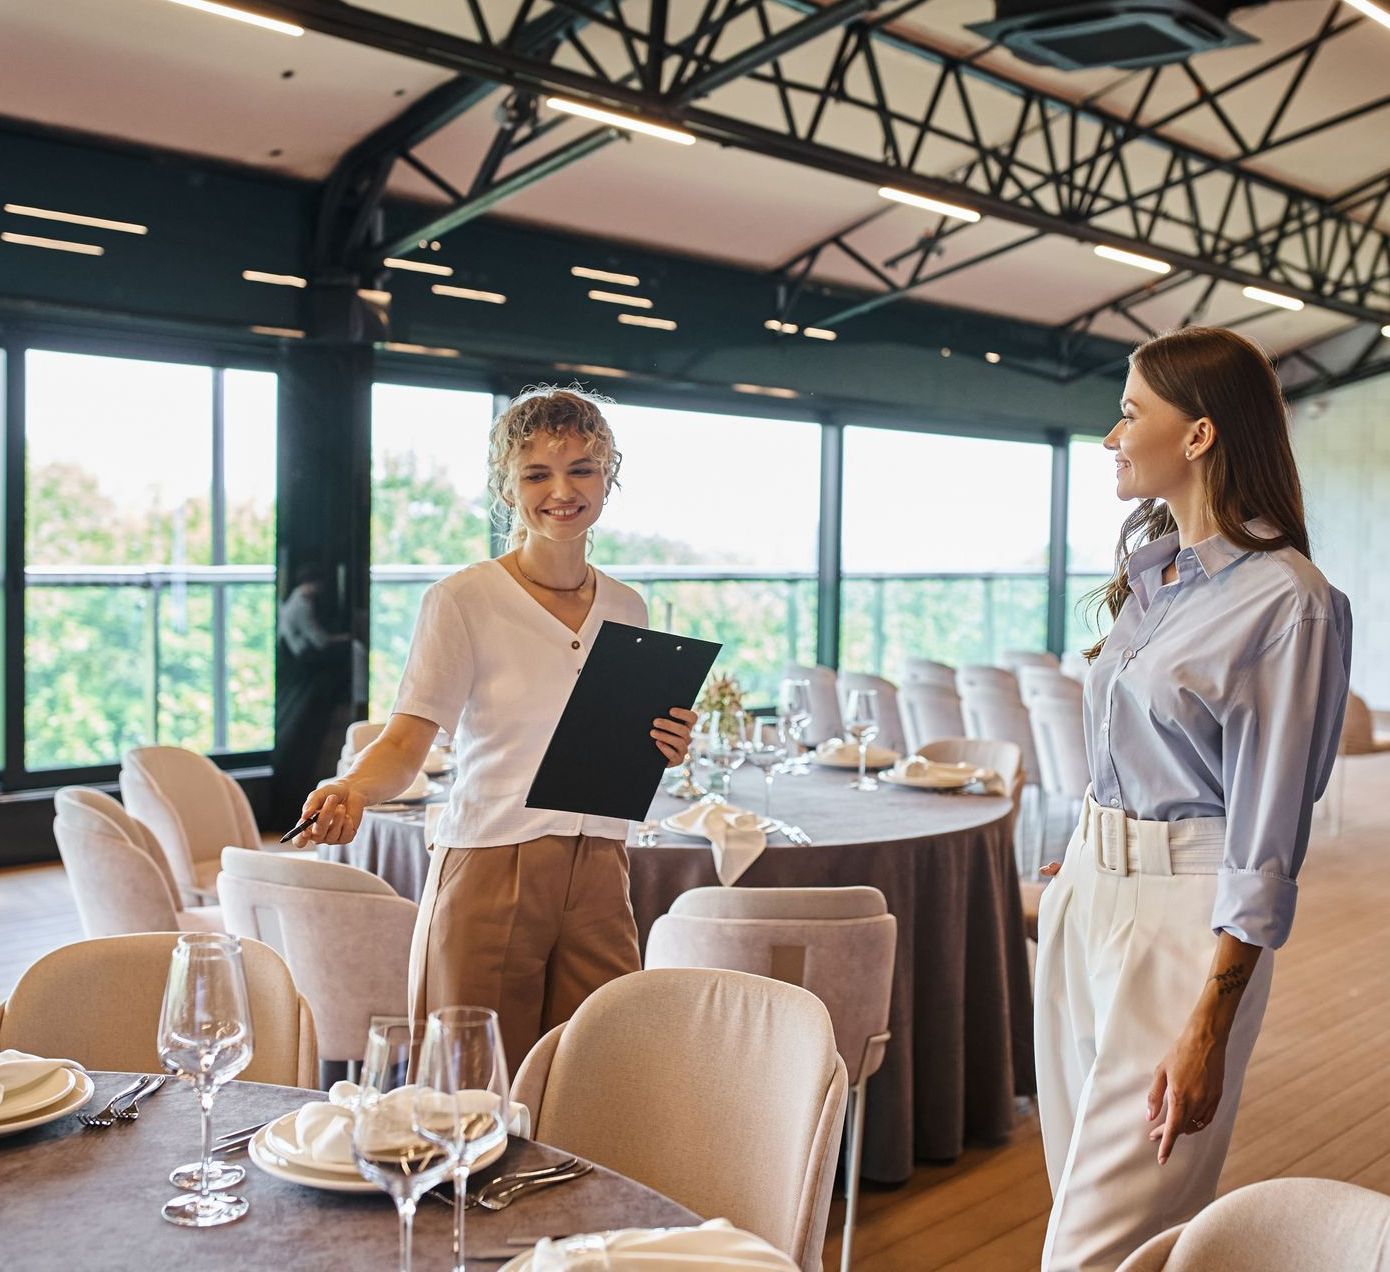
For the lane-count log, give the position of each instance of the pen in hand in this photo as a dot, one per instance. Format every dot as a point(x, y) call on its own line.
point(304, 825)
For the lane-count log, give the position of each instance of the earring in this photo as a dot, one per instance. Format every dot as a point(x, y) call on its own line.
point(1187, 454)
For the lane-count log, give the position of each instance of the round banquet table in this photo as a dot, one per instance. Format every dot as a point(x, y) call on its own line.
point(89, 1199)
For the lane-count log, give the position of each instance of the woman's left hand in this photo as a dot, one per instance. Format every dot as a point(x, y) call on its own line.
point(673, 735)
point(1191, 1076)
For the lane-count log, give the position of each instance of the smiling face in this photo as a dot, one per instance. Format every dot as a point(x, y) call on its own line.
point(557, 487)
point(1151, 443)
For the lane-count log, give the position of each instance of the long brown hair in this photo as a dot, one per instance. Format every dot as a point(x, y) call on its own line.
point(1249, 470)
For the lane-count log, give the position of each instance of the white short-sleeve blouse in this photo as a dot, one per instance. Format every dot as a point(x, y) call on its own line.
point(491, 665)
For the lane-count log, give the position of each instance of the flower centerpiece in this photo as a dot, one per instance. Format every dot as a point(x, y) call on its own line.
point(722, 694)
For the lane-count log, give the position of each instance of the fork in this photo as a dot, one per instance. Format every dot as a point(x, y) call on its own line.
point(796, 835)
point(504, 1197)
point(132, 1110)
point(470, 1200)
point(107, 1117)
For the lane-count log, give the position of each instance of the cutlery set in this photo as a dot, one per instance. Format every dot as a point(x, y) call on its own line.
point(499, 1193)
point(125, 1105)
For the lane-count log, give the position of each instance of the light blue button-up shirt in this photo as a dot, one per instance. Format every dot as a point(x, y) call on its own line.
point(1222, 694)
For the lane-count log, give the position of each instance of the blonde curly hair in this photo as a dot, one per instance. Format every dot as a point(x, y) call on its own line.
point(555, 412)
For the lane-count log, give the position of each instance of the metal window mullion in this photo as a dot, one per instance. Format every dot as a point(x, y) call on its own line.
point(219, 557)
point(829, 554)
point(14, 647)
point(1057, 552)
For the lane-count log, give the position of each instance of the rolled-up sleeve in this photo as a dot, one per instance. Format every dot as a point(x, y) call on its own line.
point(439, 670)
point(1278, 745)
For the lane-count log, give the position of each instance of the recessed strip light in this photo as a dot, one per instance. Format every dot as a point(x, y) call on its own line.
point(626, 122)
point(277, 280)
point(1374, 12)
point(584, 368)
point(641, 320)
point(376, 297)
point(1271, 298)
point(929, 205)
point(56, 245)
point(1119, 255)
point(605, 276)
point(241, 15)
point(991, 358)
point(429, 351)
point(785, 328)
point(820, 333)
point(73, 218)
point(420, 267)
point(468, 293)
point(617, 298)
point(288, 333)
point(764, 391)
point(1385, 330)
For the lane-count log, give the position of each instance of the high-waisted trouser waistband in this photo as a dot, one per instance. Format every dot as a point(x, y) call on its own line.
point(1127, 845)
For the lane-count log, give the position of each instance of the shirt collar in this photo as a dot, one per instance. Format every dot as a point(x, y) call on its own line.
point(1147, 562)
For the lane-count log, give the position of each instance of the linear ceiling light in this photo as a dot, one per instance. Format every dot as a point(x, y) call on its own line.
point(929, 205)
point(991, 358)
point(374, 296)
point(820, 333)
point(468, 293)
point(72, 218)
point(617, 298)
point(1385, 330)
point(241, 15)
point(641, 320)
point(763, 390)
point(288, 333)
point(605, 276)
point(419, 267)
point(626, 122)
point(1132, 258)
point(277, 280)
point(585, 368)
point(56, 245)
point(429, 351)
point(1374, 12)
point(1271, 298)
point(785, 328)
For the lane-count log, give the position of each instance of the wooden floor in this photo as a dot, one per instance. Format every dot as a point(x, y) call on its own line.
point(1317, 1098)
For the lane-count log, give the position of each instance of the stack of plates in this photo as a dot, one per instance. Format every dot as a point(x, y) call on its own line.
point(48, 1098)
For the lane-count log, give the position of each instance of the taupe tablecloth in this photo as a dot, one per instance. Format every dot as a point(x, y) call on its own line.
point(962, 1012)
point(391, 845)
point(89, 1200)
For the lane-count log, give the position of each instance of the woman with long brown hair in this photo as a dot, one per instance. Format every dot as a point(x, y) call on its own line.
point(1212, 713)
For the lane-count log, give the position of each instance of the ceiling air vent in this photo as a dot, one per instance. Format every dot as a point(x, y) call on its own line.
point(1074, 36)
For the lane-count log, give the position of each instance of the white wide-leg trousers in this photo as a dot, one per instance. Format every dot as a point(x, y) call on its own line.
point(1124, 948)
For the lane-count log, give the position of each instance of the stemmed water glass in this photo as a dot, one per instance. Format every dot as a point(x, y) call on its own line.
point(726, 747)
point(767, 748)
point(462, 1100)
point(861, 723)
point(386, 1146)
point(205, 1037)
point(794, 708)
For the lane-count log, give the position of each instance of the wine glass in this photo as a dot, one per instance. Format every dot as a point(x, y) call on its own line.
point(205, 1037)
point(386, 1146)
point(685, 786)
point(767, 748)
point(861, 723)
point(794, 707)
point(726, 747)
point(462, 1101)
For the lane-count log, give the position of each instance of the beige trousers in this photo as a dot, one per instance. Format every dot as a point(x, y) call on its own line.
point(530, 930)
point(1124, 948)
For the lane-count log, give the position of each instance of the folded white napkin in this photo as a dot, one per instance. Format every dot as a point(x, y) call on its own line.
point(438, 758)
point(934, 773)
point(19, 1071)
point(714, 1244)
point(839, 751)
point(733, 834)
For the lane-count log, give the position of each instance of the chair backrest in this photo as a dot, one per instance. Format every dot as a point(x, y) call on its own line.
point(1046, 682)
point(1001, 718)
point(929, 711)
point(980, 679)
point(890, 721)
point(1278, 1225)
point(343, 932)
point(1002, 756)
point(360, 735)
point(825, 705)
point(194, 809)
point(719, 1089)
point(840, 948)
point(119, 877)
point(929, 672)
point(1358, 732)
point(1074, 665)
point(1059, 739)
point(97, 1002)
point(1016, 659)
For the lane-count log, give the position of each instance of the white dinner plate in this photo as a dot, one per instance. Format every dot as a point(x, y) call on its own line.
point(934, 781)
point(38, 1094)
point(77, 1096)
point(879, 757)
point(765, 824)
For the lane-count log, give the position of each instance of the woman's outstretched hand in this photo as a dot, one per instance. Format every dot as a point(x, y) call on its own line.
point(339, 810)
point(672, 736)
point(1050, 869)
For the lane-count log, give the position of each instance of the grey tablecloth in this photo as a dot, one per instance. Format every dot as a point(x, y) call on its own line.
point(76, 1199)
point(391, 845)
point(962, 1013)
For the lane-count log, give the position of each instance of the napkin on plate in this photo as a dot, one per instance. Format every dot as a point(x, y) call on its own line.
point(920, 770)
point(714, 1244)
point(839, 751)
point(733, 834)
point(19, 1071)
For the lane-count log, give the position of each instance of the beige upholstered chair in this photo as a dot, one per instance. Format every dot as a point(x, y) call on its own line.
point(719, 1089)
point(1003, 757)
point(1059, 739)
point(118, 873)
point(1279, 1225)
point(1046, 682)
point(194, 809)
point(926, 671)
point(1017, 659)
point(360, 735)
point(929, 711)
point(825, 705)
point(975, 678)
point(344, 933)
point(1002, 718)
point(1358, 738)
point(837, 942)
point(97, 1002)
point(1074, 665)
point(890, 721)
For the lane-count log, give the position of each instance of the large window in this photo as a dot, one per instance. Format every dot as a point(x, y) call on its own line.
point(136, 629)
point(429, 511)
point(1093, 526)
point(945, 549)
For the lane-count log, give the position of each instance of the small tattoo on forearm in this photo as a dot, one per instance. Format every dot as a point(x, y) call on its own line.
point(1232, 980)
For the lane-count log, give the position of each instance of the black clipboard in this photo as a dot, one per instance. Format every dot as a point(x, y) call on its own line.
point(602, 758)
